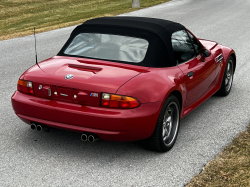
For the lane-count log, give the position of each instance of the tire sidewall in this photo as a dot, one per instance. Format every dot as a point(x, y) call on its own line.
point(163, 146)
point(223, 85)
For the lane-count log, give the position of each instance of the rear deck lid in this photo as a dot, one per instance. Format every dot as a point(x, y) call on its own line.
point(79, 80)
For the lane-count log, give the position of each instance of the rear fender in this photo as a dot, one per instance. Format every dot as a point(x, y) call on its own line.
point(155, 85)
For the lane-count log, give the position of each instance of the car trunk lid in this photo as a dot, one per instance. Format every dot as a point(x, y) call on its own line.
point(79, 80)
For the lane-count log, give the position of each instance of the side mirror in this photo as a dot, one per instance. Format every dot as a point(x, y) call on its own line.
point(205, 53)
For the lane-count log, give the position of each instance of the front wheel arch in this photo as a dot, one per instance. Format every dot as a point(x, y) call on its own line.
point(227, 79)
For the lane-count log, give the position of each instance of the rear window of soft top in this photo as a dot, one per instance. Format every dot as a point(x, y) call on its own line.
point(108, 47)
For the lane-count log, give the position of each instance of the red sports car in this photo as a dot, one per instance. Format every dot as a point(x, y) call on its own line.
point(124, 79)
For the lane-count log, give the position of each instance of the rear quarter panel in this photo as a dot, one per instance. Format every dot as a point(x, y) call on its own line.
point(155, 85)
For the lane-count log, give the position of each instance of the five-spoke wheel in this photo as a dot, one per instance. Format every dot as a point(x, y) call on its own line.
point(167, 127)
point(229, 76)
point(170, 123)
point(227, 81)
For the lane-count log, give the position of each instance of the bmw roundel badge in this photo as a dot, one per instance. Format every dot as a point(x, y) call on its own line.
point(69, 76)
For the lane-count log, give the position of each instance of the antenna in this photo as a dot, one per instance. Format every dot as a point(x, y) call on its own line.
point(35, 45)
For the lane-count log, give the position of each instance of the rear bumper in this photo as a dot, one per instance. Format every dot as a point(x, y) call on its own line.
point(108, 124)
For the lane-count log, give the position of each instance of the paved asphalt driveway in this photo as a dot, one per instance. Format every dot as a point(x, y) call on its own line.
point(59, 158)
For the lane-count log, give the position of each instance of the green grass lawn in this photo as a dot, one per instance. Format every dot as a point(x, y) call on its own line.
point(18, 17)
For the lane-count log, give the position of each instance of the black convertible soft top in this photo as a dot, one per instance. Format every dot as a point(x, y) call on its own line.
point(157, 32)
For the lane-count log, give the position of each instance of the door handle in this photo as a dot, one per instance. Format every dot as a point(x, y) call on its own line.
point(190, 74)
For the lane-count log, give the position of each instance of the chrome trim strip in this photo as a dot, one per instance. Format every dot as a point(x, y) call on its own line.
point(218, 58)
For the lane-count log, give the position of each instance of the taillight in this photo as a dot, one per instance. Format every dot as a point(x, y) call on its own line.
point(25, 87)
point(119, 101)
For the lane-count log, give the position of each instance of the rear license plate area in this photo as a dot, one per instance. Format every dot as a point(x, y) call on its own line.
point(64, 94)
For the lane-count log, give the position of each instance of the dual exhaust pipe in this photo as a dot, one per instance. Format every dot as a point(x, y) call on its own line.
point(38, 127)
point(84, 137)
point(89, 137)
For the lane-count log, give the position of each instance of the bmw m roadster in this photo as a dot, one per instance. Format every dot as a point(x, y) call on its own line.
point(124, 79)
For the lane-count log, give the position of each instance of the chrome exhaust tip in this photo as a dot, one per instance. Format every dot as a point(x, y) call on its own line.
point(33, 126)
point(93, 138)
point(84, 137)
point(39, 128)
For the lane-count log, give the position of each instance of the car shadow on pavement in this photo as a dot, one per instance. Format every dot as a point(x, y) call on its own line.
point(68, 145)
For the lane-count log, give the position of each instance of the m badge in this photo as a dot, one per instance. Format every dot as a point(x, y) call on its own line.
point(94, 95)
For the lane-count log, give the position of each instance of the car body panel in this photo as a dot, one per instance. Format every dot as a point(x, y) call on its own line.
point(201, 80)
point(107, 79)
point(216, 49)
point(154, 85)
point(107, 123)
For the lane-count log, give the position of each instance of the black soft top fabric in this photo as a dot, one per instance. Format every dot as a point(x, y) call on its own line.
point(157, 32)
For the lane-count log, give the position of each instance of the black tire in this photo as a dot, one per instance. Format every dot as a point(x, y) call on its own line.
point(167, 127)
point(227, 80)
